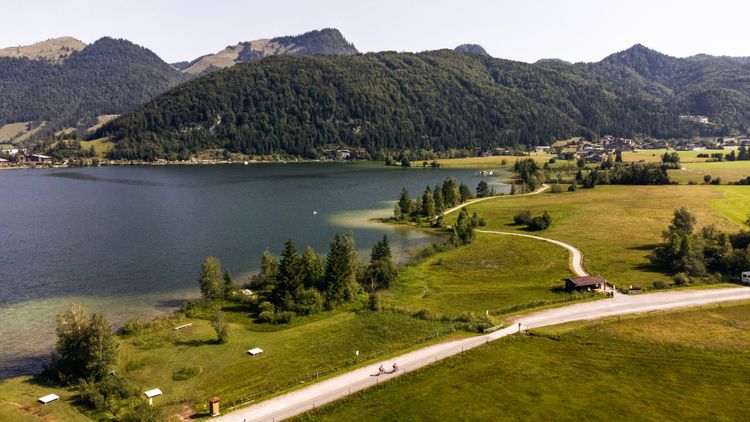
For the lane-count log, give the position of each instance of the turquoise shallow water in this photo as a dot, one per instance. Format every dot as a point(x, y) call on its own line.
point(129, 240)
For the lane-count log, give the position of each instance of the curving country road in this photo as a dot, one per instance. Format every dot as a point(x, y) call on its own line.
point(315, 395)
point(576, 257)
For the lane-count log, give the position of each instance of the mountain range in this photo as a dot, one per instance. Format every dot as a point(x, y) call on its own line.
point(436, 100)
point(298, 94)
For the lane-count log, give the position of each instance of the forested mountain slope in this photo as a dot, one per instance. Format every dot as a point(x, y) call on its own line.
point(390, 102)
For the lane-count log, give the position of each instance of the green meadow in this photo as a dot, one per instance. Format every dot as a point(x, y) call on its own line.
point(687, 365)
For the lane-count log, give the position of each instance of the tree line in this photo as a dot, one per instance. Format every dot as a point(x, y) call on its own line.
point(708, 254)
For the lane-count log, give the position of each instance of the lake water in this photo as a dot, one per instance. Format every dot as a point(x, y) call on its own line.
point(128, 241)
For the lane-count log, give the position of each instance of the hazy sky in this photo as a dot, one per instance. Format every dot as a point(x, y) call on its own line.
point(579, 30)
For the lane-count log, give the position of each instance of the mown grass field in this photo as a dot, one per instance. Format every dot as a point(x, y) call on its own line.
point(654, 155)
point(689, 365)
point(18, 402)
point(727, 171)
point(493, 273)
point(489, 163)
point(735, 203)
point(616, 227)
point(226, 370)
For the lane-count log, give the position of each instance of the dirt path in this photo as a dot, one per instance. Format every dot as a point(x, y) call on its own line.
point(315, 395)
point(541, 189)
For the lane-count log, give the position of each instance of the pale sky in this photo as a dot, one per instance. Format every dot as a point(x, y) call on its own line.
point(577, 30)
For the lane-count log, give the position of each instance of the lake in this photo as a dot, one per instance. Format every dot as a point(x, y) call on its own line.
point(129, 241)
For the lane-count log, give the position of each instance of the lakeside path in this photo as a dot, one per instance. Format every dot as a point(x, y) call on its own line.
point(541, 189)
point(315, 395)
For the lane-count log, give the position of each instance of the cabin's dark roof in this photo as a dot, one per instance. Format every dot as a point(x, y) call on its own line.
point(589, 280)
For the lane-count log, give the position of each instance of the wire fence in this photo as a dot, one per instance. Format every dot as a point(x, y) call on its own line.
point(247, 399)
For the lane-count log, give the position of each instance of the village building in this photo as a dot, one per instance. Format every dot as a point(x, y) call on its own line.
point(592, 282)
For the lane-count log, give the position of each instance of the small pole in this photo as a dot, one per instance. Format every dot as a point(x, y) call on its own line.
point(519, 327)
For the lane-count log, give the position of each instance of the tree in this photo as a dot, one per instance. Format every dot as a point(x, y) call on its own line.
point(706, 179)
point(340, 271)
point(380, 272)
point(269, 268)
point(289, 280)
point(428, 204)
point(483, 189)
point(618, 156)
point(229, 286)
point(464, 193)
point(210, 277)
point(220, 326)
point(85, 348)
point(439, 201)
point(404, 202)
point(451, 194)
point(313, 268)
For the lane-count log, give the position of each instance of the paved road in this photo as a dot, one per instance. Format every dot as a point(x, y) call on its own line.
point(576, 262)
point(314, 395)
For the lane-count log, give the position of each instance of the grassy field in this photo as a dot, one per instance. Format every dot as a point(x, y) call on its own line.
point(727, 171)
point(690, 365)
point(226, 370)
point(489, 163)
point(735, 204)
point(616, 227)
point(654, 155)
point(10, 130)
point(101, 146)
point(493, 273)
point(18, 402)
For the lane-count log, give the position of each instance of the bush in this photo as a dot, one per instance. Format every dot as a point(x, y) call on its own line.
point(541, 222)
point(143, 412)
point(660, 285)
point(104, 394)
point(572, 187)
point(716, 181)
point(374, 302)
point(267, 317)
point(266, 307)
point(681, 279)
point(284, 317)
point(523, 217)
point(310, 302)
point(427, 315)
point(556, 188)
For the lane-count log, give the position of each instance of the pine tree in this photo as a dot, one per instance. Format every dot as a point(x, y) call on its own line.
point(380, 272)
point(340, 271)
point(289, 280)
point(451, 195)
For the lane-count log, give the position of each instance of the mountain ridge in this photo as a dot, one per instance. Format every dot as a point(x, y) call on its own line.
point(323, 41)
